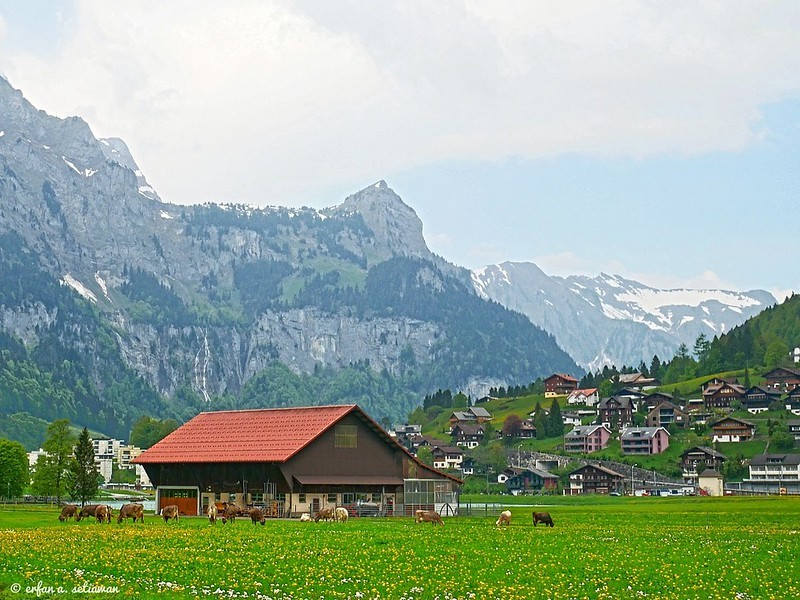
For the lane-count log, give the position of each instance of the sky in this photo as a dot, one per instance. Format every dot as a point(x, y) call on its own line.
point(656, 140)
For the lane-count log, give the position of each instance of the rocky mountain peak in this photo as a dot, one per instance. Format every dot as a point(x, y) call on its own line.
point(395, 224)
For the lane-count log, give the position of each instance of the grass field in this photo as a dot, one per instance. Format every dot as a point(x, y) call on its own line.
point(727, 548)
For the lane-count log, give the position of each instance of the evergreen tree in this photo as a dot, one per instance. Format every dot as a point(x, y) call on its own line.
point(539, 422)
point(555, 423)
point(747, 384)
point(83, 476)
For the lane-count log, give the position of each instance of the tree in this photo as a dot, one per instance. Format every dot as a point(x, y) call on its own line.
point(781, 441)
point(776, 354)
point(50, 476)
point(555, 425)
point(425, 456)
point(83, 476)
point(460, 401)
point(147, 431)
point(13, 468)
point(540, 422)
point(512, 426)
point(606, 388)
point(701, 348)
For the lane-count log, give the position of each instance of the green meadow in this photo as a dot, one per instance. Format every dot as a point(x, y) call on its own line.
point(727, 548)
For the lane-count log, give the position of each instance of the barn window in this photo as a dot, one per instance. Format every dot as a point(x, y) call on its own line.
point(331, 498)
point(346, 436)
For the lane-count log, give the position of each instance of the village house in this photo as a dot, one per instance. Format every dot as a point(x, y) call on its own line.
point(594, 479)
point(616, 412)
point(666, 413)
point(586, 397)
point(698, 458)
point(585, 439)
point(290, 461)
point(447, 457)
point(731, 429)
point(638, 381)
point(793, 400)
point(757, 398)
point(644, 440)
point(650, 401)
point(559, 384)
point(710, 481)
point(794, 430)
point(474, 414)
point(521, 481)
point(526, 431)
point(782, 379)
point(776, 473)
point(720, 395)
point(467, 435)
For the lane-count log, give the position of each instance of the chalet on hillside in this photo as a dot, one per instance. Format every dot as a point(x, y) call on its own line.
point(644, 440)
point(652, 400)
point(782, 379)
point(467, 435)
point(530, 480)
point(595, 479)
point(757, 398)
point(616, 412)
point(794, 430)
point(638, 381)
point(666, 413)
point(720, 395)
point(718, 381)
point(559, 384)
point(447, 457)
point(474, 414)
point(793, 400)
point(587, 397)
point(731, 429)
point(585, 439)
point(290, 461)
point(696, 459)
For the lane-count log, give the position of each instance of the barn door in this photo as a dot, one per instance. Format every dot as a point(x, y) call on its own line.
point(315, 505)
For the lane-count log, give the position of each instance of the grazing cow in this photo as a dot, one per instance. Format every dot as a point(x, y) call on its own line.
point(505, 518)
point(256, 516)
point(341, 514)
point(87, 511)
point(542, 517)
point(131, 511)
point(103, 513)
point(212, 513)
point(68, 511)
point(231, 512)
point(305, 518)
point(428, 516)
point(326, 514)
point(170, 512)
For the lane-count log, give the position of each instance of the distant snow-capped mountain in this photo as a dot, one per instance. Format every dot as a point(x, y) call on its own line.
point(608, 320)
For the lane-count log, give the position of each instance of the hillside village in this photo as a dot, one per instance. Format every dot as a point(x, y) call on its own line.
point(705, 436)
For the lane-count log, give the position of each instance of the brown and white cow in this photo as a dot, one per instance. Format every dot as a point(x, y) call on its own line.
point(131, 511)
point(256, 516)
point(326, 514)
point(170, 512)
point(68, 511)
point(231, 512)
point(504, 519)
point(103, 513)
point(212, 513)
point(428, 516)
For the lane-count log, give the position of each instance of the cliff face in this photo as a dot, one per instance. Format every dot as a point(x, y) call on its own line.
point(207, 296)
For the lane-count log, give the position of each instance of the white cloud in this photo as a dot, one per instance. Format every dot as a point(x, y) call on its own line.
point(265, 102)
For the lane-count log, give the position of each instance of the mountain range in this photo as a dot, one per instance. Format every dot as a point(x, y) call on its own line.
point(116, 304)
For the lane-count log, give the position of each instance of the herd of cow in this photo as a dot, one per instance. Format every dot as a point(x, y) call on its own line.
point(103, 514)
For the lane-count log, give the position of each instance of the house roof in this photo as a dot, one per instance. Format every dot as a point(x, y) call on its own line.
point(468, 429)
point(772, 459)
point(605, 470)
point(262, 435)
point(479, 411)
point(623, 401)
point(583, 430)
point(742, 421)
point(563, 376)
point(640, 432)
point(705, 450)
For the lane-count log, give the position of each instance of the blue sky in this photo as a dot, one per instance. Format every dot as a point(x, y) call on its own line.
point(657, 141)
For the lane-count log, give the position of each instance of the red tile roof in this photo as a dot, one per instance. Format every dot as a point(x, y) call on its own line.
point(262, 435)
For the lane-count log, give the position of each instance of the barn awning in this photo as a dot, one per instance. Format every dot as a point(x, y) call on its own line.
point(347, 480)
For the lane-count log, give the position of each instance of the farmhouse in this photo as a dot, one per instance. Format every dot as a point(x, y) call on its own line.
point(594, 479)
point(782, 379)
point(697, 459)
point(292, 460)
point(731, 429)
point(559, 384)
point(666, 413)
point(758, 398)
point(720, 395)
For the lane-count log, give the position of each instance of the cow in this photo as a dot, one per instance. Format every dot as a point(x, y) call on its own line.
point(88, 510)
point(428, 516)
point(341, 514)
point(326, 514)
point(305, 518)
point(212, 513)
point(103, 513)
point(68, 511)
point(542, 517)
point(256, 516)
point(504, 519)
point(131, 511)
point(170, 512)
point(231, 512)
